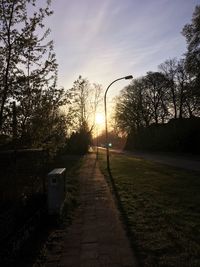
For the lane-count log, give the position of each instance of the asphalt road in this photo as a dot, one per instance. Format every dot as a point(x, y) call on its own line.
point(188, 162)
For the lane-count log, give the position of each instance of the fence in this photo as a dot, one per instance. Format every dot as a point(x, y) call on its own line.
point(22, 173)
point(22, 188)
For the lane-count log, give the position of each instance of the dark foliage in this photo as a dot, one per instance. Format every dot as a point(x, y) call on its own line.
point(178, 135)
point(78, 143)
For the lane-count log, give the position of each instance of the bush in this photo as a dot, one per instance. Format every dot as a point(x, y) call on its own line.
point(78, 143)
point(178, 135)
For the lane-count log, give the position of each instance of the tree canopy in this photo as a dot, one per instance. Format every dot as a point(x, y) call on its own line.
point(172, 92)
point(28, 74)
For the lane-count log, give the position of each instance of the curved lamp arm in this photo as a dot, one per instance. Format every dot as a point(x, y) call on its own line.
point(106, 124)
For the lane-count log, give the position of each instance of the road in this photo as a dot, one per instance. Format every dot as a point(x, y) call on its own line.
point(188, 162)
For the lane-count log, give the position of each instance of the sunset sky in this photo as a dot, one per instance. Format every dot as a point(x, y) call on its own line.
point(106, 39)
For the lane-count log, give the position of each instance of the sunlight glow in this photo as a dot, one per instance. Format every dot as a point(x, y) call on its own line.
point(99, 119)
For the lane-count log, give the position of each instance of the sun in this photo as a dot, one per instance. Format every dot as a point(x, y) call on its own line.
point(99, 118)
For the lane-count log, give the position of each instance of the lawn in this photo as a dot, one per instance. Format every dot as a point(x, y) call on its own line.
point(161, 207)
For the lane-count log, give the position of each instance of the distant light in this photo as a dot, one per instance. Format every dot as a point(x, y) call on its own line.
point(110, 144)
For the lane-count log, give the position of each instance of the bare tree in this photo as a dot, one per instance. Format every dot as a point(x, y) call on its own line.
point(84, 99)
point(169, 69)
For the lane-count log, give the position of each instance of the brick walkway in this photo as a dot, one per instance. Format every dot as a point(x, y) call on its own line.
point(96, 237)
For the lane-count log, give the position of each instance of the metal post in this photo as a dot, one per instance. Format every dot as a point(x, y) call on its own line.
point(97, 142)
point(106, 123)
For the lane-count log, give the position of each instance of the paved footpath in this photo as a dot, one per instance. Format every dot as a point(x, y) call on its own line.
point(96, 237)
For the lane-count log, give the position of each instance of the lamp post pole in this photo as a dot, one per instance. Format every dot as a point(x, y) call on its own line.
point(97, 142)
point(106, 120)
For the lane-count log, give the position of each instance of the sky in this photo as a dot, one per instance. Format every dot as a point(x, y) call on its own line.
point(103, 40)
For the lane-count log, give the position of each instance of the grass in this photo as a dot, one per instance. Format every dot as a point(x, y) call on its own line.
point(161, 206)
point(72, 165)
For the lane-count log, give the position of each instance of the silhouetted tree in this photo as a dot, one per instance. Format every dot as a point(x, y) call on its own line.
point(182, 101)
point(132, 109)
point(20, 47)
point(169, 69)
point(182, 87)
point(79, 101)
point(83, 101)
point(79, 141)
point(28, 72)
point(145, 108)
point(156, 96)
point(192, 32)
point(143, 102)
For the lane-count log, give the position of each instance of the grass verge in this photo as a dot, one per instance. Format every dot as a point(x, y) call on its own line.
point(72, 165)
point(161, 207)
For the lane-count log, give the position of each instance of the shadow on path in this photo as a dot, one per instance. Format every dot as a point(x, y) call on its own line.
point(96, 237)
point(123, 214)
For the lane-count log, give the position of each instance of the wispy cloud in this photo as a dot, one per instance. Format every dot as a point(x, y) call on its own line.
point(107, 38)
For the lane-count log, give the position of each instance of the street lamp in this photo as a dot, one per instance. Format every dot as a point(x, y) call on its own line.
point(106, 124)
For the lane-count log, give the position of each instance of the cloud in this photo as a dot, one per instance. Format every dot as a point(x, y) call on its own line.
point(104, 39)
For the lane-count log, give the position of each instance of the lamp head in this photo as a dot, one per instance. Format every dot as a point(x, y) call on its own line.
point(128, 77)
